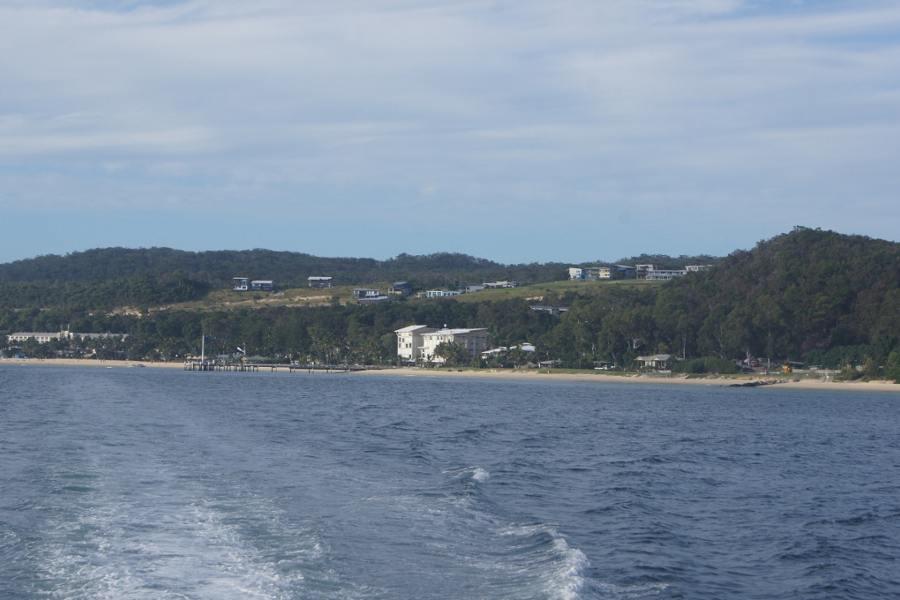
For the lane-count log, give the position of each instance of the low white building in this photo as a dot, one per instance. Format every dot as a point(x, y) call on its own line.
point(44, 337)
point(697, 268)
point(658, 362)
point(441, 293)
point(503, 350)
point(41, 337)
point(664, 274)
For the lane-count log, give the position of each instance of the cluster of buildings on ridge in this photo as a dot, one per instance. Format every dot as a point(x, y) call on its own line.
point(643, 271)
point(370, 295)
point(647, 272)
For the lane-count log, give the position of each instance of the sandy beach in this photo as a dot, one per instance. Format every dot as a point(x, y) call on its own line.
point(88, 362)
point(512, 375)
point(544, 375)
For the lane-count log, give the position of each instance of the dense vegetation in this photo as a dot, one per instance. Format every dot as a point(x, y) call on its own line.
point(810, 295)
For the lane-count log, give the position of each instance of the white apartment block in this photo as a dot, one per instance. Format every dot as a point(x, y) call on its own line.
point(418, 342)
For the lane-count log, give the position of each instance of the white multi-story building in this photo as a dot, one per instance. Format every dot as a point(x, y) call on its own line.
point(419, 342)
point(474, 341)
point(576, 273)
point(409, 342)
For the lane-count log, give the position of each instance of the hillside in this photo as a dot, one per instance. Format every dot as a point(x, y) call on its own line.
point(798, 293)
point(111, 277)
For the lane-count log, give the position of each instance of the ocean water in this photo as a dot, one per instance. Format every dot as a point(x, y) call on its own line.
point(140, 483)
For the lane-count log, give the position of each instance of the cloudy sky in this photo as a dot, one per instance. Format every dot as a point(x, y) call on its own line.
point(517, 130)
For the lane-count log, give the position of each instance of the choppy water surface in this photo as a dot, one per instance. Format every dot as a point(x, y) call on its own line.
point(150, 484)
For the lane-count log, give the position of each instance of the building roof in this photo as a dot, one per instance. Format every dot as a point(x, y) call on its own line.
point(411, 328)
point(36, 334)
point(318, 278)
point(655, 357)
point(456, 331)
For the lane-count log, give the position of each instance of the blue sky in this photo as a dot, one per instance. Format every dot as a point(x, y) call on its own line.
point(515, 130)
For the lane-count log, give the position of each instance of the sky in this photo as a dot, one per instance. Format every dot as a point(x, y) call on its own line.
point(519, 130)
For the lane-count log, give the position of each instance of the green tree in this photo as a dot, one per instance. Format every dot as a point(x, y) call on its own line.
point(454, 354)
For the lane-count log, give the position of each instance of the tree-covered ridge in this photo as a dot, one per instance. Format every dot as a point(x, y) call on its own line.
point(806, 291)
point(286, 268)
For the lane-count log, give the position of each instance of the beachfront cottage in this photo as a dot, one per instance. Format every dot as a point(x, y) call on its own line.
point(656, 362)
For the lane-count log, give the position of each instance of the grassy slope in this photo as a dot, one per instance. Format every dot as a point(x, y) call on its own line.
point(306, 297)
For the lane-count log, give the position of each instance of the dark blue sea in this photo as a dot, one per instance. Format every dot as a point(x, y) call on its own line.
point(156, 484)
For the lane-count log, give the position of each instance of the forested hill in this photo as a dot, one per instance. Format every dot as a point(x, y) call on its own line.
point(287, 268)
point(798, 293)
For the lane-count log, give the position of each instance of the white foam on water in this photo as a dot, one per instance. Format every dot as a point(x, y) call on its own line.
point(632, 591)
point(480, 475)
point(564, 579)
point(120, 551)
point(475, 473)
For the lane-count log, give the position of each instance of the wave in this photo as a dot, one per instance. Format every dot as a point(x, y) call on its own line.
point(565, 577)
point(474, 473)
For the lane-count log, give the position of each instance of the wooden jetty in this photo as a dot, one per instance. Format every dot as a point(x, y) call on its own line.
point(193, 364)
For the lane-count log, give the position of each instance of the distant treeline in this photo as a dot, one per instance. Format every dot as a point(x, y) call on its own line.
point(807, 295)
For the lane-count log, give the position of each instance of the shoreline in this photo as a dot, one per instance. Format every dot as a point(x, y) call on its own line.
point(601, 378)
point(88, 362)
point(508, 375)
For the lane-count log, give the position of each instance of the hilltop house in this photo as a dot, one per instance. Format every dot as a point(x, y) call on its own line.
point(441, 293)
point(262, 285)
point(369, 295)
point(316, 281)
point(401, 288)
